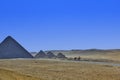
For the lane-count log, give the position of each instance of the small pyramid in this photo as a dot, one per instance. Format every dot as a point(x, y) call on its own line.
point(60, 55)
point(10, 48)
point(41, 54)
point(50, 55)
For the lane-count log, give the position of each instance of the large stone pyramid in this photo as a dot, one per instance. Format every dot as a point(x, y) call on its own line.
point(10, 48)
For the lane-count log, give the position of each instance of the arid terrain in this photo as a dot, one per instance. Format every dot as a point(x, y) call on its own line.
point(35, 69)
point(92, 54)
point(12, 75)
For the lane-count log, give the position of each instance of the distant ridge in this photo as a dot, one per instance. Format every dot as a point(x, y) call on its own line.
point(10, 48)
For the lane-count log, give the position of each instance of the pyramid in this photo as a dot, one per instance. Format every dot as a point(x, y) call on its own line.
point(50, 55)
point(41, 54)
point(60, 55)
point(10, 48)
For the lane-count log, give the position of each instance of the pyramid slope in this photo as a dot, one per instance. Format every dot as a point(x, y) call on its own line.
point(50, 55)
point(41, 54)
point(60, 55)
point(10, 48)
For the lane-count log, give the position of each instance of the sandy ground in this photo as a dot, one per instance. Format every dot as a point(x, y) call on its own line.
point(57, 70)
point(12, 75)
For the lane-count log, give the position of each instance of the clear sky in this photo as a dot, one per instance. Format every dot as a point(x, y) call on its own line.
point(61, 24)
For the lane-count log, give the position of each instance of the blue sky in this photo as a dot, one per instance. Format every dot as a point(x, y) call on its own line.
point(61, 24)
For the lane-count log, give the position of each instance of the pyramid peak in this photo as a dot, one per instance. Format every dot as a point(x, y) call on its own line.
point(41, 51)
point(9, 37)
